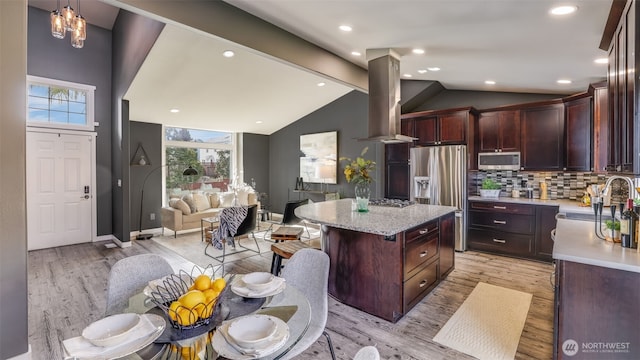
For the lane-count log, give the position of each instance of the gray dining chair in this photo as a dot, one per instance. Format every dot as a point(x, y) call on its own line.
point(130, 275)
point(308, 271)
point(367, 353)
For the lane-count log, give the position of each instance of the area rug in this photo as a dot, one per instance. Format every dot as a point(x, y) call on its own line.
point(191, 247)
point(489, 323)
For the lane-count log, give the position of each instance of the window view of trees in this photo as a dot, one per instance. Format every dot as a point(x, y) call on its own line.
point(206, 151)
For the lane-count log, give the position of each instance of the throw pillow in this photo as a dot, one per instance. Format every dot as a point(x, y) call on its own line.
point(243, 195)
point(202, 202)
point(226, 199)
point(214, 200)
point(189, 200)
point(252, 198)
point(179, 204)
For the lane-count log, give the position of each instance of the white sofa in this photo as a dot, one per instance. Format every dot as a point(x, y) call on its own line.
point(186, 212)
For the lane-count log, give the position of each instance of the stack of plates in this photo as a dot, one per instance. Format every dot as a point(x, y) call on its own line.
point(250, 337)
point(258, 285)
point(115, 336)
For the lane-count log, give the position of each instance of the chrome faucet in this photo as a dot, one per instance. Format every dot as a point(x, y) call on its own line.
point(633, 194)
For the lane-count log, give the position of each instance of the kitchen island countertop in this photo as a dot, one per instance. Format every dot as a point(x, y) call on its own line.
point(380, 220)
point(576, 241)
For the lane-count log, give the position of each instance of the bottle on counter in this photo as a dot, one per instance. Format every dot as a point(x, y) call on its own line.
point(628, 224)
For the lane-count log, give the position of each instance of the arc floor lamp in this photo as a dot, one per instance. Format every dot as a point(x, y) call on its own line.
point(190, 171)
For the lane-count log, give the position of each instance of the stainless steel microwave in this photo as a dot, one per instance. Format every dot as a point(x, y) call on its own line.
point(499, 161)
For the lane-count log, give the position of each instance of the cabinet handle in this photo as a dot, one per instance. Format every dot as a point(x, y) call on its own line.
point(424, 231)
point(500, 207)
point(423, 254)
point(501, 222)
point(423, 283)
point(500, 241)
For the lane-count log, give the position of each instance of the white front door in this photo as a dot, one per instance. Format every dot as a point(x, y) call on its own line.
point(59, 188)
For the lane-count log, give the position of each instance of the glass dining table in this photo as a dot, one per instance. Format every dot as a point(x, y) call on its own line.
point(291, 306)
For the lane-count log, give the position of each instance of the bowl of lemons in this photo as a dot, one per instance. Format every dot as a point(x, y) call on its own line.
point(191, 301)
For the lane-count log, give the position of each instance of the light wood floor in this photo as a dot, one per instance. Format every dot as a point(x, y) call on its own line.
point(67, 287)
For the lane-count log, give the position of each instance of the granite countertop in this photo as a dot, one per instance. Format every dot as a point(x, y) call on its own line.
point(566, 205)
point(380, 220)
point(576, 241)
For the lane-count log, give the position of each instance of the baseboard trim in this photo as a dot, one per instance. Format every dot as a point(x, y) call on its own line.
point(121, 244)
point(25, 356)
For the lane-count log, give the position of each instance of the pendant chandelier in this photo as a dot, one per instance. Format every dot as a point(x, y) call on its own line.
point(68, 20)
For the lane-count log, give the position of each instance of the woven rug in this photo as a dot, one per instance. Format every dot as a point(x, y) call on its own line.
point(191, 247)
point(489, 323)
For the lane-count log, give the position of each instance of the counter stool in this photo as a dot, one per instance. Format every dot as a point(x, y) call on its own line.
point(286, 233)
point(284, 250)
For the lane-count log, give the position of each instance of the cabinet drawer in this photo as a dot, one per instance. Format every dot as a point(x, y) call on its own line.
point(502, 242)
point(503, 207)
point(420, 284)
point(419, 252)
point(422, 230)
point(522, 224)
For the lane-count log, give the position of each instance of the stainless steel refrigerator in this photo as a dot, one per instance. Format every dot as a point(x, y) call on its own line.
point(439, 177)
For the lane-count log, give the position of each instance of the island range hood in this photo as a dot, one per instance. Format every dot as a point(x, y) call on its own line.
point(384, 97)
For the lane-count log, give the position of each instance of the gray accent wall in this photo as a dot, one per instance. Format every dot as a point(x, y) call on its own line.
point(149, 136)
point(133, 37)
point(13, 204)
point(56, 59)
point(349, 116)
point(255, 149)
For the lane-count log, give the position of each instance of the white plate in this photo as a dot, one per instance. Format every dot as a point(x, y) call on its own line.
point(224, 349)
point(112, 330)
point(91, 352)
point(239, 288)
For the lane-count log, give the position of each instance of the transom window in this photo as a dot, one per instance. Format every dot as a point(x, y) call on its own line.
point(60, 104)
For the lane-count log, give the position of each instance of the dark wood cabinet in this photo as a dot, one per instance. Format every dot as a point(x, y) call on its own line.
point(387, 275)
point(578, 133)
point(600, 125)
point(581, 318)
point(439, 127)
point(499, 131)
point(543, 137)
point(545, 223)
point(520, 230)
point(624, 132)
point(396, 174)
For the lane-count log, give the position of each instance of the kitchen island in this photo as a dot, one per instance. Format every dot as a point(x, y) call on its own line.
point(386, 260)
point(597, 302)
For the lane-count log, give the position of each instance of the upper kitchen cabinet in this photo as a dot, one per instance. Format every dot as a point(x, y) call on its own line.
point(578, 133)
point(499, 131)
point(624, 139)
point(543, 136)
point(440, 127)
point(600, 118)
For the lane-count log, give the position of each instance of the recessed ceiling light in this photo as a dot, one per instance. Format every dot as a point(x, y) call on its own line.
point(355, 53)
point(418, 51)
point(321, 84)
point(407, 75)
point(601, 61)
point(564, 81)
point(258, 122)
point(563, 10)
point(345, 28)
point(422, 71)
point(433, 69)
point(228, 54)
point(175, 110)
point(490, 82)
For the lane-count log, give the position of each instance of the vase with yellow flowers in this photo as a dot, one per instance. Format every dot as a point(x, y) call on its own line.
point(359, 172)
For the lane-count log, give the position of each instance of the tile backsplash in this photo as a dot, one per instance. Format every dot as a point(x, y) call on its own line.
point(560, 185)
